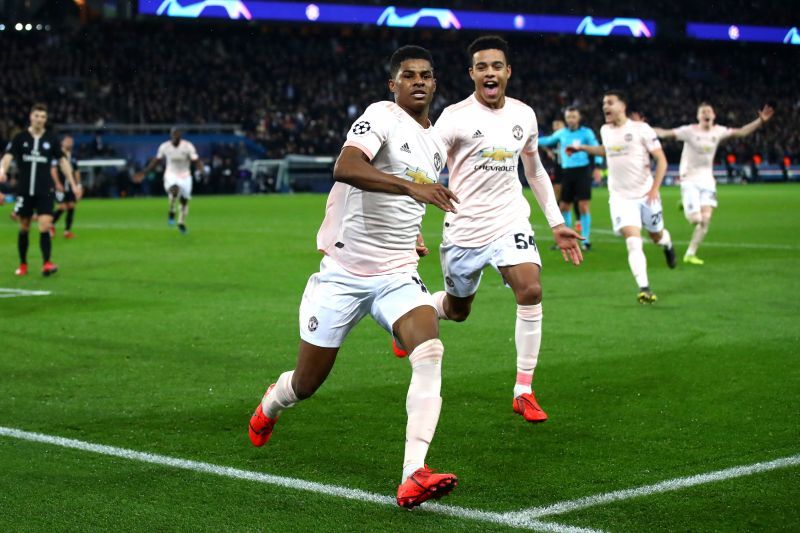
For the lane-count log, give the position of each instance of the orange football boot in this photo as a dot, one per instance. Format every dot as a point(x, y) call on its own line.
point(423, 485)
point(528, 407)
point(261, 425)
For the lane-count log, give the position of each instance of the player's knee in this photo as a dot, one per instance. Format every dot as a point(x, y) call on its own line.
point(530, 294)
point(460, 312)
point(634, 244)
point(694, 218)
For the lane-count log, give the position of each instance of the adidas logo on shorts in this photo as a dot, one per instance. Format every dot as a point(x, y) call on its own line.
point(405, 148)
point(477, 134)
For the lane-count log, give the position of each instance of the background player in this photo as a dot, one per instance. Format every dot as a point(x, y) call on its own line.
point(486, 135)
point(634, 198)
point(179, 154)
point(576, 171)
point(36, 153)
point(698, 185)
point(385, 174)
point(67, 200)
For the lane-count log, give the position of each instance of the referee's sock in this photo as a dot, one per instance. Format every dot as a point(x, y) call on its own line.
point(567, 218)
point(586, 226)
point(45, 245)
point(22, 246)
point(57, 215)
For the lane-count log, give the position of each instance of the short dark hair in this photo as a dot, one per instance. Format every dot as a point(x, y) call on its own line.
point(488, 42)
point(408, 52)
point(572, 108)
point(621, 96)
point(38, 106)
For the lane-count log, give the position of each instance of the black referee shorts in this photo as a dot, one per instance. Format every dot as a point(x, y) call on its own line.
point(576, 184)
point(42, 204)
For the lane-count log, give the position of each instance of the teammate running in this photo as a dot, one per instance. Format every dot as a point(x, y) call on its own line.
point(634, 197)
point(485, 136)
point(698, 186)
point(387, 171)
point(179, 154)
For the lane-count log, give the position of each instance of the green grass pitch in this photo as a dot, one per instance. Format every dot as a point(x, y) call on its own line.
point(164, 343)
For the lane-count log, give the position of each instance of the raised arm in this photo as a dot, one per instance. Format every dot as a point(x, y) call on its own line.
point(664, 134)
point(353, 168)
point(591, 150)
point(763, 117)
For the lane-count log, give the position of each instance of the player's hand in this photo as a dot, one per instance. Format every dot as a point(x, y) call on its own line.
point(653, 196)
point(572, 150)
point(597, 175)
point(567, 241)
point(422, 250)
point(78, 190)
point(3, 177)
point(436, 194)
point(766, 113)
point(60, 188)
point(138, 177)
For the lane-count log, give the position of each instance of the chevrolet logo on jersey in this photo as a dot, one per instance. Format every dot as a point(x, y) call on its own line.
point(418, 176)
point(616, 150)
point(497, 154)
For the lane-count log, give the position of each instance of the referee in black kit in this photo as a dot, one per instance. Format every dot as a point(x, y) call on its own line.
point(37, 153)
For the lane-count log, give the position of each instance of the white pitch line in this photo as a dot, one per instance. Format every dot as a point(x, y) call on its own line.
point(287, 482)
point(753, 245)
point(16, 293)
point(656, 488)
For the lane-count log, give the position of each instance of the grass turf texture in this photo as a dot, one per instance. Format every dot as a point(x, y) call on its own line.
point(164, 343)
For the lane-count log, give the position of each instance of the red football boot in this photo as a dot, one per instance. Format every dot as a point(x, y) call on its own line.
point(528, 407)
point(261, 425)
point(398, 351)
point(423, 485)
point(49, 269)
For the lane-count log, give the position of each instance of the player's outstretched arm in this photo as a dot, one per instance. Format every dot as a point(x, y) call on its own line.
point(539, 182)
point(5, 162)
point(763, 117)
point(664, 134)
point(353, 168)
point(591, 150)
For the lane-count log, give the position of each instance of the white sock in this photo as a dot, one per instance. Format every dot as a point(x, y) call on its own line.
point(182, 215)
point(700, 231)
point(637, 260)
point(666, 239)
point(528, 337)
point(423, 403)
point(438, 302)
point(281, 396)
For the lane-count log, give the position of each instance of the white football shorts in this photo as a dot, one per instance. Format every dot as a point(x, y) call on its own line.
point(335, 300)
point(184, 185)
point(463, 267)
point(637, 213)
point(695, 197)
